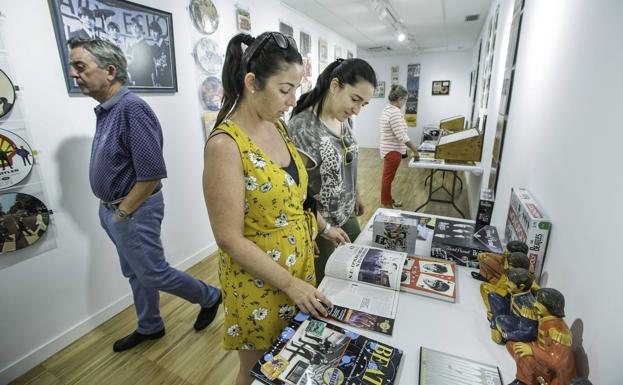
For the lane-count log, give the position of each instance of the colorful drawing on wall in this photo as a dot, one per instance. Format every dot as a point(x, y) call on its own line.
point(144, 34)
point(349, 55)
point(211, 93)
point(204, 16)
point(323, 54)
point(286, 29)
point(337, 52)
point(441, 87)
point(394, 73)
point(413, 88)
point(307, 82)
point(16, 159)
point(243, 20)
point(23, 221)
point(7, 94)
point(207, 56)
point(379, 91)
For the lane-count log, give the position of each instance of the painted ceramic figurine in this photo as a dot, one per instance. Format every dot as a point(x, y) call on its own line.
point(581, 381)
point(514, 260)
point(513, 317)
point(492, 265)
point(549, 359)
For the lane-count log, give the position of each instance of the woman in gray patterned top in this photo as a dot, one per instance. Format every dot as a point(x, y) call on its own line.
point(320, 127)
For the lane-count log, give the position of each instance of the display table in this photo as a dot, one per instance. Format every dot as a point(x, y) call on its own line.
point(459, 328)
point(440, 165)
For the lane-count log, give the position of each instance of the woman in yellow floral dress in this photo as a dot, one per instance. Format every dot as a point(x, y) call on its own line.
point(255, 185)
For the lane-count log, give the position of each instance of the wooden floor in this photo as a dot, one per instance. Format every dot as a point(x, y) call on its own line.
point(184, 356)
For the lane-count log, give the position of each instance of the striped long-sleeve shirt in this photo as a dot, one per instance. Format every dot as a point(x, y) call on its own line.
point(393, 131)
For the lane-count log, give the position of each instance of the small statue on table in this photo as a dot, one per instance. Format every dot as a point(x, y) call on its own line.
point(549, 359)
point(492, 265)
point(513, 317)
point(513, 260)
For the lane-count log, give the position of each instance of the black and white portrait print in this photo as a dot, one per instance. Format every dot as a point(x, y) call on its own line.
point(144, 34)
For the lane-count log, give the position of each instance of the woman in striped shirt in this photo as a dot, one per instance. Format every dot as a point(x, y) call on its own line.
point(394, 142)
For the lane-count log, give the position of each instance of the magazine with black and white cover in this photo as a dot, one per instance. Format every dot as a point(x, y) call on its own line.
point(313, 352)
point(363, 283)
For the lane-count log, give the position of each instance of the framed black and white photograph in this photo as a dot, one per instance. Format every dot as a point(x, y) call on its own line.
point(441, 87)
point(379, 91)
point(144, 34)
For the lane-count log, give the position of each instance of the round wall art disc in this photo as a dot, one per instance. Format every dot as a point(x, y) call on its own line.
point(23, 221)
point(7, 94)
point(207, 56)
point(211, 93)
point(204, 16)
point(15, 159)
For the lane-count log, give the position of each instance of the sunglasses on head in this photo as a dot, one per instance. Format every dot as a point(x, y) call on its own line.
point(347, 143)
point(282, 41)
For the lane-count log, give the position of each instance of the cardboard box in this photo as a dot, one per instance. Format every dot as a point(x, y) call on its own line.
point(458, 242)
point(526, 222)
point(398, 231)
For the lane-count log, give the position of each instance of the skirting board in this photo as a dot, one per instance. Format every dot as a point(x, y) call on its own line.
point(43, 352)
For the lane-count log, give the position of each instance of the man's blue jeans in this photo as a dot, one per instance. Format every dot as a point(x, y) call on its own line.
point(142, 261)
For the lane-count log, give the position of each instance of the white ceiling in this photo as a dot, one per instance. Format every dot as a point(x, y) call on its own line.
point(432, 25)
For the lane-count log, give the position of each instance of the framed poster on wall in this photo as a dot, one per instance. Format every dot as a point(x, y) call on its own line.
point(144, 34)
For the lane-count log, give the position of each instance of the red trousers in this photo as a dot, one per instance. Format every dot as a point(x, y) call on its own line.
point(390, 166)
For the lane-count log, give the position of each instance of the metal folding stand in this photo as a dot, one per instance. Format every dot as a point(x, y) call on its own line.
point(452, 193)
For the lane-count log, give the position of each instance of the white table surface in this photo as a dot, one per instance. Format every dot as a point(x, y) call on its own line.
point(476, 169)
point(459, 328)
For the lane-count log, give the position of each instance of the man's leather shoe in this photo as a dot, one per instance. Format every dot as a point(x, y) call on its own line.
point(206, 315)
point(130, 341)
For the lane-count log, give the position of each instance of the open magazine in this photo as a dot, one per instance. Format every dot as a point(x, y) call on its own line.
point(313, 352)
point(363, 283)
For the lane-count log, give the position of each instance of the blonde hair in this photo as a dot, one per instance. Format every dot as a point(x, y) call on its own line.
point(397, 92)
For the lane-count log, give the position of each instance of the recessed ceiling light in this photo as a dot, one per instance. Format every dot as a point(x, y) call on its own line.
point(401, 36)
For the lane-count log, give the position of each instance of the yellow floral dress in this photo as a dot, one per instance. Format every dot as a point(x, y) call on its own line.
point(255, 312)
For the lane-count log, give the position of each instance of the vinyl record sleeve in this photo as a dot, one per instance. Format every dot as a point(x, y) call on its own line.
point(24, 219)
point(16, 159)
point(7, 94)
point(207, 57)
point(204, 16)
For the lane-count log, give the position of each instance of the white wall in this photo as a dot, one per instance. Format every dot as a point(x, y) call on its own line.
point(566, 103)
point(50, 300)
point(453, 66)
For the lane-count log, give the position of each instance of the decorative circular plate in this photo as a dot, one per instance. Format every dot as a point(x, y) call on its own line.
point(23, 221)
point(15, 159)
point(211, 93)
point(7, 94)
point(204, 15)
point(207, 56)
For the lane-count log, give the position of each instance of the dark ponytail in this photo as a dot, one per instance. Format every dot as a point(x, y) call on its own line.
point(347, 71)
point(265, 63)
point(232, 76)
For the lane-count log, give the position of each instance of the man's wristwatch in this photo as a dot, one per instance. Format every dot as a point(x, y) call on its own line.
point(326, 229)
point(122, 214)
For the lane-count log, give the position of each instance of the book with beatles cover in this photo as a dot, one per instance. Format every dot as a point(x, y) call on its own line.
point(310, 351)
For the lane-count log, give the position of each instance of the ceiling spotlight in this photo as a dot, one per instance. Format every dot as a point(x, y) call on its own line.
point(401, 36)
